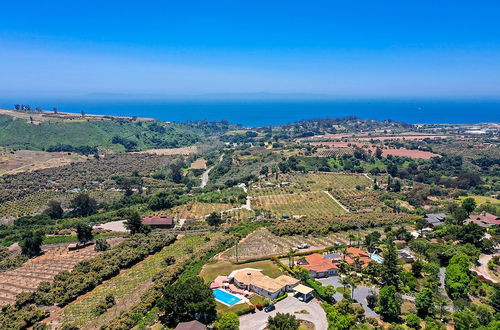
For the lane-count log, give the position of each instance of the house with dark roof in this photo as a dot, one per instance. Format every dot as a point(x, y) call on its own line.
point(319, 265)
point(484, 219)
point(435, 219)
point(191, 325)
point(159, 221)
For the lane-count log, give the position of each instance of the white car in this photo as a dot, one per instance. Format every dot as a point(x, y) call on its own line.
point(303, 246)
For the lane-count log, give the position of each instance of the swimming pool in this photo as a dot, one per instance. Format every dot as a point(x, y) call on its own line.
point(225, 297)
point(377, 258)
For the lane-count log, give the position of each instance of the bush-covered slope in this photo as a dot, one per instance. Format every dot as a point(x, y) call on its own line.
point(126, 134)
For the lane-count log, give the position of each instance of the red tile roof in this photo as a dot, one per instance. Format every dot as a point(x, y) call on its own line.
point(318, 263)
point(484, 219)
point(158, 220)
point(355, 252)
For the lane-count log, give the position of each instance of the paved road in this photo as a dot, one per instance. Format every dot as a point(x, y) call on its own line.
point(291, 305)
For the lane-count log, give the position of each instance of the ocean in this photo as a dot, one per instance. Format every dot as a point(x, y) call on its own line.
point(273, 112)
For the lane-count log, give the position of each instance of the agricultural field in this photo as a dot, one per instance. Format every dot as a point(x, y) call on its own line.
point(36, 203)
point(313, 205)
point(127, 287)
point(27, 160)
point(196, 210)
point(333, 152)
point(94, 174)
point(357, 200)
point(199, 164)
point(171, 151)
point(263, 243)
point(300, 182)
point(468, 149)
point(27, 277)
point(337, 150)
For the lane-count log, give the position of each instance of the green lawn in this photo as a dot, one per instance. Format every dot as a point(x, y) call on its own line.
point(221, 308)
point(482, 199)
point(212, 270)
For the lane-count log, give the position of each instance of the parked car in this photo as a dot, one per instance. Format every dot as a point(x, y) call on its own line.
point(269, 308)
point(303, 246)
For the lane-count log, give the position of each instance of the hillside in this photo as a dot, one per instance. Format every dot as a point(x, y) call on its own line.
point(117, 134)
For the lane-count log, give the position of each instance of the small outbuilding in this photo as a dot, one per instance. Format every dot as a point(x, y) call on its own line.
point(303, 293)
point(159, 221)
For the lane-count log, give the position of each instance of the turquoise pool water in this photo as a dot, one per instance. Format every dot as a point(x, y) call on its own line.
point(377, 258)
point(225, 297)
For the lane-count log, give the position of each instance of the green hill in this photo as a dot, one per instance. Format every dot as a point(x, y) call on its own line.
point(118, 135)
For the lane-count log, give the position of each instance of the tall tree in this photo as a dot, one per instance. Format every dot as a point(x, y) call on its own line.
point(83, 205)
point(214, 219)
point(389, 303)
point(54, 210)
point(469, 204)
point(84, 233)
point(31, 244)
point(390, 263)
point(187, 300)
point(424, 302)
point(133, 223)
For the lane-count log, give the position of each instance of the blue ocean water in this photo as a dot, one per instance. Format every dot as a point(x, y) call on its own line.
point(272, 112)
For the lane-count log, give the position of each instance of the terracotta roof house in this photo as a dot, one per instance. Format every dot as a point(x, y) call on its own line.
point(484, 219)
point(254, 280)
point(191, 325)
point(319, 265)
point(355, 256)
point(159, 221)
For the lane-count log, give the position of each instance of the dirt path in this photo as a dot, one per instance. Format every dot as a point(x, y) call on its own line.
point(483, 270)
point(336, 201)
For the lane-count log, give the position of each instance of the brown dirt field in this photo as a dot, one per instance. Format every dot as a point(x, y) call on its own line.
point(27, 277)
point(199, 164)
point(385, 152)
point(27, 160)
point(409, 153)
point(171, 151)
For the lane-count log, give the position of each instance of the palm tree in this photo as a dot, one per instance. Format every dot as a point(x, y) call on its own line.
point(353, 285)
point(351, 238)
point(291, 255)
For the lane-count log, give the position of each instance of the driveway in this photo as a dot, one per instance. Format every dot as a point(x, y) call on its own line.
point(482, 269)
point(291, 305)
point(360, 293)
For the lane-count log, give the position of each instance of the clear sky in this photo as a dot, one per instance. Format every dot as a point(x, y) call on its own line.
point(341, 48)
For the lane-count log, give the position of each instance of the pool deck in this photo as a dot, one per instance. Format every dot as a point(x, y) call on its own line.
point(241, 301)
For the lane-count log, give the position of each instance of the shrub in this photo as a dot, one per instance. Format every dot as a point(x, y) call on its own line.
point(413, 321)
point(101, 245)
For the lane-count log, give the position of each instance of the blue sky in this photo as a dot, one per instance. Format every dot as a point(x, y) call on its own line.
point(386, 49)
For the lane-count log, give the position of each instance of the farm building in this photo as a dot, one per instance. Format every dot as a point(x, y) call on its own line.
point(159, 221)
point(484, 219)
point(254, 280)
point(319, 265)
